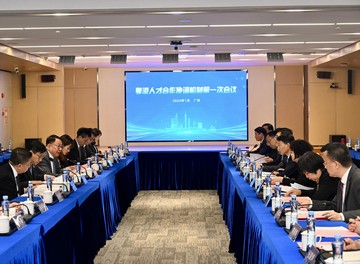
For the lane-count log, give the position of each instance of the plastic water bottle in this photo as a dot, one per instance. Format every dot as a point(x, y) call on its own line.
point(49, 183)
point(338, 248)
point(117, 148)
point(5, 205)
point(30, 192)
point(348, 144)
point(228, 147)
point(10, 145)
point(89, 163)
point(96, 158)
point(267, 187)
point(294, 210)
point(310, 221)
point(106, 155)
point(277, 190)
point(78, 168)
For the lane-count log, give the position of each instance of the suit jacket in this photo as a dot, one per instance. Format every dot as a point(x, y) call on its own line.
point(44, 167)
point(326, 189)
point(74, 155)
point(91, 149)
point(8, 184)
point(263, 149)
point(31, 175)
point(351, 207)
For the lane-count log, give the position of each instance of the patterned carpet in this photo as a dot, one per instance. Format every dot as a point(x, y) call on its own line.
point(163, 227)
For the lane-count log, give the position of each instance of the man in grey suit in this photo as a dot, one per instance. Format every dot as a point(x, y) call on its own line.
point(50, 164)
point(346, 203)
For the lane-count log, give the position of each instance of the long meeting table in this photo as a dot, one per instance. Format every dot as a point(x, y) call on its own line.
point(72, 231)
point(255, 237)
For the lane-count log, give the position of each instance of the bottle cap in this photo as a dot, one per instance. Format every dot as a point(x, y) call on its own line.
point(337, 237)
point(5, 197)
point(293, 196)
point(311, 213)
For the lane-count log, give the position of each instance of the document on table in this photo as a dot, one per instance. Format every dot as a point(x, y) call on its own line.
point(303, 213)
point(331, 231)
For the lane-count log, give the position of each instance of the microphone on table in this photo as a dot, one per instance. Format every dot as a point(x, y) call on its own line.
point(255, 146)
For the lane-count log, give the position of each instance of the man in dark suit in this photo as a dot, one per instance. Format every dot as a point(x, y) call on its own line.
point(37, 150)
point(9, 183)
point(91, 148)
point(50, 164)
point(346, 203)
point(262, 148)
point(78, 152)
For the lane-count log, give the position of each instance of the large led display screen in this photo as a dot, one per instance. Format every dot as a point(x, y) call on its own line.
point(186, 106)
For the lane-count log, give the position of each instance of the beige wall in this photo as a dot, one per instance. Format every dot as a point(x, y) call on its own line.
point(290, 98)
point(80, 99)
point(112, 104)
point(333, 111)
point(6, 108)
point(41, 113)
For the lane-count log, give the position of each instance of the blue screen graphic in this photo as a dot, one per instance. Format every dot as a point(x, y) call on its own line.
point(186, 106)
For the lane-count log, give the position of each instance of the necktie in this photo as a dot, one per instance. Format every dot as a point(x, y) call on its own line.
point(340, 197)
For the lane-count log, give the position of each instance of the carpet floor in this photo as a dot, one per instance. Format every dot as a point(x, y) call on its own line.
point(163, 227)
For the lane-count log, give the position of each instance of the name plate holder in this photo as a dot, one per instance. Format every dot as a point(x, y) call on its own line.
point(295, 231)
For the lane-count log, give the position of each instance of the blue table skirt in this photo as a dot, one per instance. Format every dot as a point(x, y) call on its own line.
point(23, 246)
point(254, 235)
point(109, 181)
point(355, 155)
point(179, 170)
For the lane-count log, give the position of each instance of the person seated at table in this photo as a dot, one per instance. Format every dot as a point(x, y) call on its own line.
point(262, 148)
point(272, 143)
point(351, 244)
point(280, 159)
point(268, 127)
point(291, 172)
point(284, 142)
point(50, 164)
point(78, 152)
point(38, 151)
point(354, 224)
point(346, 203)
point(91, 148)
point(312, 166)
point(67, 143)
point(19, 162)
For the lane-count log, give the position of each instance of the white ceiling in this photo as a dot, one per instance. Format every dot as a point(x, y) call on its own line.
point(302, 35)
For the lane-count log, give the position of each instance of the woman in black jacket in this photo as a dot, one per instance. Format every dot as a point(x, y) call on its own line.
point(312, 166)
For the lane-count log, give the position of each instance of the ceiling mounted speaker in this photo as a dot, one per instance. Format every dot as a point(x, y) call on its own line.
point(118, 59)
point(48, 78)
point(170, 58)
point(323, 75)
point(67, 59)
point(222, 57)
point(275, 57)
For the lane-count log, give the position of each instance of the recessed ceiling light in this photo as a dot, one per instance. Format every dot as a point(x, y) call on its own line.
point(303, 24)
point(271, 35)
point(242, 25)
point(94, 38)
point(178, 26)
point(112, 27)
point(184, 20)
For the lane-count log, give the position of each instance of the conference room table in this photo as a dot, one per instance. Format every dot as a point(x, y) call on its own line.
point(4, 157)
point(355, 156)
point(72, 231)
point(255, 236)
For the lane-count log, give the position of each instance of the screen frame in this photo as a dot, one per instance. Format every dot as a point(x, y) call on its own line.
point(197, 70)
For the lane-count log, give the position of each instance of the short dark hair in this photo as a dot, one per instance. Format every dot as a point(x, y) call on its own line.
point(272, 134)
point(83, 132)
point(67, 140)
point(20, 156)
point(338, 152)
point(287, 139)
point(36, 146)
point(260, 130)
point(311, 162)
point(51, 139)
point(284, 131)
point(96, 132)
point(269, 126)
point(299, 147)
